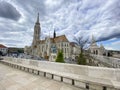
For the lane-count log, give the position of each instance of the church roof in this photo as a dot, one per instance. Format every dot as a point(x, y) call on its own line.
point(73, 44)
point(2, 46)
point(42, 41)
point(61, 38)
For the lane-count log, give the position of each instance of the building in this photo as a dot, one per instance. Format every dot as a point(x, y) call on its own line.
point(14, 51)
point(3, 49)
point(49, 47)
point(95, 49)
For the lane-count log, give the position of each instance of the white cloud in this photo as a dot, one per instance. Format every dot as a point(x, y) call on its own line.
point(69, 17)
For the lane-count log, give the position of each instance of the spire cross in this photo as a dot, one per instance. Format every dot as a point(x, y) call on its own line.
point(38, 18)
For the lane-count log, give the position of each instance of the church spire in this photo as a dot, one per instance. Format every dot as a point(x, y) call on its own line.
point(37, 18)
point(54, 35)
point(37, 31)
point(93, 40)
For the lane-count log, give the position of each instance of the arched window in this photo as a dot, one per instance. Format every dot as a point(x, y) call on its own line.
point(96, 52)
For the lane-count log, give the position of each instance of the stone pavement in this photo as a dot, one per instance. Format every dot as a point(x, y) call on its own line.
point(14, 79)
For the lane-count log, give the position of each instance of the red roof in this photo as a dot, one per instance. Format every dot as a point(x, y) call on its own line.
point(2, 46)
point(56, 39)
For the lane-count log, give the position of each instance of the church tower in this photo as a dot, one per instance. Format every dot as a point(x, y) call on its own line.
point(37, 30)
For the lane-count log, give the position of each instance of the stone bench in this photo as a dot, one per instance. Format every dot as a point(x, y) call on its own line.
point(81, 81)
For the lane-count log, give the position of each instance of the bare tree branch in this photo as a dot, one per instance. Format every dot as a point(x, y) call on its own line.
point(81, 42)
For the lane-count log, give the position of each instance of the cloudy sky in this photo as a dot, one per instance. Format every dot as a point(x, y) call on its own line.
point(100, 18)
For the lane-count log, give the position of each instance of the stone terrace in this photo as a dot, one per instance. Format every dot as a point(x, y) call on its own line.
point(87, 77)
point(13, 79)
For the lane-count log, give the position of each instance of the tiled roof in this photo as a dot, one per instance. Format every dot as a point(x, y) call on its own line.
point(42, 41)
point(72, 44)
point(61, 38)
point(2, 46)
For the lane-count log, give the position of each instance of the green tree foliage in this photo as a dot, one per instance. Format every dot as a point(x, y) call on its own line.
point(20, 51)
point(60, 57)
point(82, 59)
point(82, 42)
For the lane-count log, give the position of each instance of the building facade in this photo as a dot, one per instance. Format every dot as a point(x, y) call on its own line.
point(95, 49)
point(49, 47)
point(3, 49)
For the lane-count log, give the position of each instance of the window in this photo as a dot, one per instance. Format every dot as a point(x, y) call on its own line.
point(54, 57)
point(104, 88)
point(87, 86)
point(96, 52)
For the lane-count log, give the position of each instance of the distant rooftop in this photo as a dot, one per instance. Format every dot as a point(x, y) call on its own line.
point(2, 46)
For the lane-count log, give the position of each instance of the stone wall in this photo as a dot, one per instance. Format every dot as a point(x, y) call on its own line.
point(112, 62)
point(96, 77)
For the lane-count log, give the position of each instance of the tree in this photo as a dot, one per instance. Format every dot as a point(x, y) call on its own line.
point(20, 51)
point(84, 57)
point(60, 57)
point(83, 44)
point(81, 59)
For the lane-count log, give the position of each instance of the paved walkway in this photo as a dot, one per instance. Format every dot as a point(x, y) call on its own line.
point(14, 79)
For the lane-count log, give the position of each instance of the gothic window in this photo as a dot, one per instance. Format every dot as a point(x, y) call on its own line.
point(96, 52)
point(53, 49)
point(36, 31)
point(61, 44)
point(67, 50)
point(54, 57)
point(104, 88)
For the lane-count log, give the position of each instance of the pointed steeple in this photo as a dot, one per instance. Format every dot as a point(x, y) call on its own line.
point(54, 35)
point(101, 45)
point(37, 18)
point(37, 31)
point(93, 40)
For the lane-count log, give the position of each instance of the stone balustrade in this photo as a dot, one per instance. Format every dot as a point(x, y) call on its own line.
point(113, 62)
point(87, 77)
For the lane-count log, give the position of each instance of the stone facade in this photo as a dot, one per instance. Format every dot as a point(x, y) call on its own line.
point(3, 49)
point(95, 49)
point(86, 77)
point(49, 47)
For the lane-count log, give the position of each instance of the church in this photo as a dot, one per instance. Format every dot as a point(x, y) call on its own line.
point(49, 47)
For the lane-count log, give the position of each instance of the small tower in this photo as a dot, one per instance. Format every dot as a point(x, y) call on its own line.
point(93, 40)
point(37, 30)
point(54, 34)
